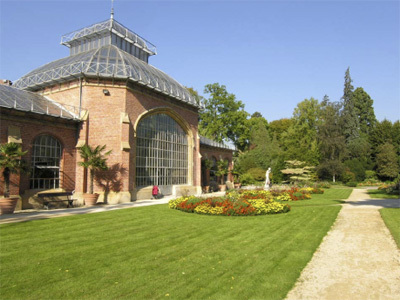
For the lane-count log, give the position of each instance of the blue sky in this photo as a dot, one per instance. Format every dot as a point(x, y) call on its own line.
point(270, 54)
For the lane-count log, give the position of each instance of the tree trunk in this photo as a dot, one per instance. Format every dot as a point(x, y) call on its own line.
point(91, 181)
point(333, 178)
point(6, 175)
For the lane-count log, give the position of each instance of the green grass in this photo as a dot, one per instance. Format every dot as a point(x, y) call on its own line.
point(380, 194)
point(149, 252)
point(329, 197)
point(391, 217)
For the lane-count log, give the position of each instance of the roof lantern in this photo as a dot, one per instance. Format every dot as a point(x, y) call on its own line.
point(105, 33)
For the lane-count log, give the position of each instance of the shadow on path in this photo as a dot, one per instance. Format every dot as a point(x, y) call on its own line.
point(384, 203)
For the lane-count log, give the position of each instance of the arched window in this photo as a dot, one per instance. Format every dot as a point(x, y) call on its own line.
point(45, 169)
point(161, 153)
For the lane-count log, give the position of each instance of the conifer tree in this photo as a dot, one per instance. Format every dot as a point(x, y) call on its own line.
point(349, 114)
point(364, 110)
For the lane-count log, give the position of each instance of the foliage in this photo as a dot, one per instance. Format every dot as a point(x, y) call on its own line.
point(11, 162)
point(257, 173)
point(348, 176)
point(300, 140)
point(363, 105)
point(246, 179)
point(298, 170)
point(387, 164)
point(93, 160)
point(222, 169)
point(351, 184)
point(370, 174)
point(357, 166)
point(332, 145)
point(223, 117)
point(278, 127)
point(207, 164)
point(349, 119)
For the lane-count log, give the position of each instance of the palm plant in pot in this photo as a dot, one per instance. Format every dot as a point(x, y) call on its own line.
point(10, 162)
point(222, 166)
point(93, 160)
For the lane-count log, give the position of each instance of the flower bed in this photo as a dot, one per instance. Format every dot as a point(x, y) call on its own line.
point(245, 202)
point(234, 204)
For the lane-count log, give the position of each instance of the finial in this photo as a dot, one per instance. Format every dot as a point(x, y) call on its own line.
point(112, 9)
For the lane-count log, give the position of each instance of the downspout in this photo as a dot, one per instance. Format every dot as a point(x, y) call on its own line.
point(80, 96)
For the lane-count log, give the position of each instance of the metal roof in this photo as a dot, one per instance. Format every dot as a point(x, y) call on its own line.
point(209, 142)
point(113, 26)
point(106, 62)
point(17, 99)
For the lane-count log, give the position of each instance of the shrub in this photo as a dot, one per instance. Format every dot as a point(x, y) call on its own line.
point(369, 174)
point(348, 176)
point(246, 179)
point(257, 173)
point(351, 184)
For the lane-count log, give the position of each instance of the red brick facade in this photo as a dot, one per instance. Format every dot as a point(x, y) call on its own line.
point(31, 126)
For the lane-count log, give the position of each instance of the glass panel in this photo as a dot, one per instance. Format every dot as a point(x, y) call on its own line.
point(161, 152)
point(45, 167)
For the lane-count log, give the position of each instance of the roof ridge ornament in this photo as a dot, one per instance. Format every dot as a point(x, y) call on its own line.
point(112, 10)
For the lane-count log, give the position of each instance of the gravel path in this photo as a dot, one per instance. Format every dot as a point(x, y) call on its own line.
point(358, 259)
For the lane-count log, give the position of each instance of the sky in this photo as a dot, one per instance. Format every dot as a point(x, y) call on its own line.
point(270, 54)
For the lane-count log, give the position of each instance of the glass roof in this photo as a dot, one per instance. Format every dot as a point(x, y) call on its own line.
point(113, 26)
point(106, 62)
point(209, 142)
point(13, 98)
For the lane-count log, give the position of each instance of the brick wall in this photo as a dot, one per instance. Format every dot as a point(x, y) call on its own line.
point(31, 126)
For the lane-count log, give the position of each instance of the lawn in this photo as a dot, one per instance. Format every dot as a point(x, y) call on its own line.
point(329, 197)
point(380, 194)
point(391, 217)
point(157, 253)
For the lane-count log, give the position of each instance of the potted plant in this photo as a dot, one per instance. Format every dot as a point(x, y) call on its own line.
point(222, 170)
point(10, 162)
point(93, 160)
point(207, 165)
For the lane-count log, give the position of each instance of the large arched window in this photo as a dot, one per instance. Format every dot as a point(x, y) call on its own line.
point(45, 169)
point(161, 153)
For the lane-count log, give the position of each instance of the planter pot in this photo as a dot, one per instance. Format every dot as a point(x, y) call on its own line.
point(7, 205)
point(90, 199)
point(222, 187)
point(206, 189)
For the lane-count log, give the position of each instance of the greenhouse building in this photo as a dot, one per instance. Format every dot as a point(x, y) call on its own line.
point(106, 93)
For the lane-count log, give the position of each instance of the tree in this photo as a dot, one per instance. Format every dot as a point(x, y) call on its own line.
point(349, 113)
point(257, 115)
point(223, 117)
point(387, 165)
point(279, 127)
point(11, 162)
point(363, 105)
point(383, 132)
point(263, 152)
point(332, 144)
point(94, 160)
point(298, 170)
point(300, 140)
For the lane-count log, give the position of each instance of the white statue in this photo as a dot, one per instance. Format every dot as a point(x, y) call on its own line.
point(267, 181)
